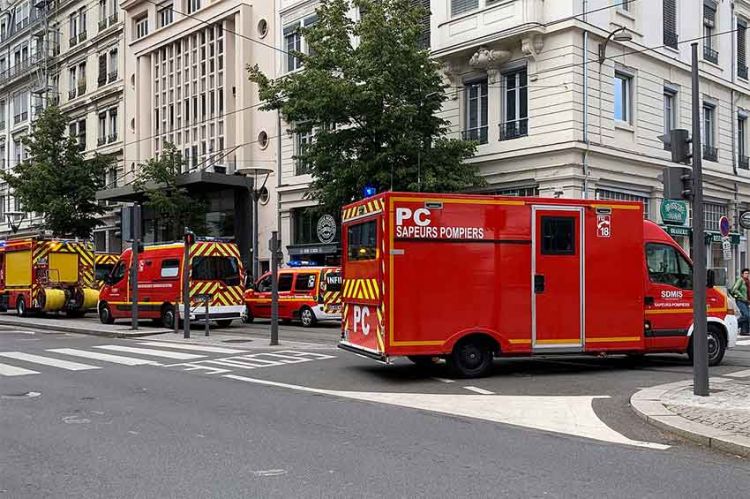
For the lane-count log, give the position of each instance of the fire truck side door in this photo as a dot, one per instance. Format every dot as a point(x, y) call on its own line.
point(557, 278)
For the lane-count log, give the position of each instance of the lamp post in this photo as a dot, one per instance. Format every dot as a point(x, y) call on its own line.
point(258, 173)
point(14, 219)
point(619, 35)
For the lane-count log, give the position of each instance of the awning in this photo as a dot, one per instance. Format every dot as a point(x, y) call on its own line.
point(194, 182)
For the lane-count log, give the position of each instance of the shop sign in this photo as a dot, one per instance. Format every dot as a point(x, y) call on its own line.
point(716, 237)
point(678, 231)
point(326, 229)
point(745, 219)
point(674, 211)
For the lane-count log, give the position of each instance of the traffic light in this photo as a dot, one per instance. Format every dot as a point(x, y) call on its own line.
point(678, 182)
point(679, 141)
point(118, 229)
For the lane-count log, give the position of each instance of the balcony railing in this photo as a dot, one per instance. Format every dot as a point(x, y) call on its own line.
point(112, 76)
point(113, 19)
point(111, 138)
point(81, 88)
point(742, 71)
point(744, 162)
point(514, 129)
point(101, 141)
point(82, 36)
point(72, 94)
point(20, 117)
point(710, 54)
point(478, 134)
point(73, 41)
point(103, 24)
point(54, 100)
point(2, 125)
point(102, 80)
point(670, 39)
point(710, 153)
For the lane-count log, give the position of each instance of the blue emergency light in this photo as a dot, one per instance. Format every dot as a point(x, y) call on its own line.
point(369, 191)
point(300, 263)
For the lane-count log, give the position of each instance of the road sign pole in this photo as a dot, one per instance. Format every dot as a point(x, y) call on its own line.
point(274, 247)
point(700, 340)
point(186, 286)
point(136, 221)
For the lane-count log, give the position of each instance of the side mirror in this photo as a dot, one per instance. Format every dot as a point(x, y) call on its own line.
point(710, 278)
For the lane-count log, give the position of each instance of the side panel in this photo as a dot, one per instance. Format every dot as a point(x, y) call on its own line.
point(63, 267)
point(18, 265)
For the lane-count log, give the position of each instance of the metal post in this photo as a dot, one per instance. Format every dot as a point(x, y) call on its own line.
point(274, 247)
point(700, 340)
point(176, 317)
point(186, 287)
point(256, 261)
point(207, 299)
point(134, 267)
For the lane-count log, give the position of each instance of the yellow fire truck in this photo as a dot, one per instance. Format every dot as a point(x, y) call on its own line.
point(39, 274)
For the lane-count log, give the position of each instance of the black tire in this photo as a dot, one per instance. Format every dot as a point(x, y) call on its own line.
point(471, 358)
point(167, 316)
point(224, 323)
point(307, 317)
point(248, 317)
point(105, 314)
point(717, 346)
point(21, 309)
point(422, 360)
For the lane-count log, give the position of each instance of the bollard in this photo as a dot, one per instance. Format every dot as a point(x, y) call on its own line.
point(176, 318)
point(207, 300)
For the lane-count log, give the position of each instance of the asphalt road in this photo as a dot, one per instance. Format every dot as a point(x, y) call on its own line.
point(176, 426)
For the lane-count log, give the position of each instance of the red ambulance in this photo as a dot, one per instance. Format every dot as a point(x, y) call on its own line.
point(469, 278)
point(215, 270)
point(307, 294)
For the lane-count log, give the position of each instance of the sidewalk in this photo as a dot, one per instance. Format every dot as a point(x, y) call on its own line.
point(85, 325)
point(720, 421)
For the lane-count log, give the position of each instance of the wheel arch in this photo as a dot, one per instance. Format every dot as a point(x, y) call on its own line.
point(713, 322)
point(496, 341)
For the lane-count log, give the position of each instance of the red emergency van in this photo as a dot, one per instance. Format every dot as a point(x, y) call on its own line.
point(215, 270)
point(469, 278)
point(307, 294)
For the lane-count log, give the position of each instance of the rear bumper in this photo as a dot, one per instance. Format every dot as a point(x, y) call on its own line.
point(364, 352)
point(215, 313)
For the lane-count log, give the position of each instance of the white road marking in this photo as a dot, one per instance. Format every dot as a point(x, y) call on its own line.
point(47, 361)
point(5, 331)
point(743, 342)
point(567, 415)
point(117, 359)
point(739, 374)
point(481, 391)
point(197, 348)
point(6, 370)
point(444, 380)
point(151, 352)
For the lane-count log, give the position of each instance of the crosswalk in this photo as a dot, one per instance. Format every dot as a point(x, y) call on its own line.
point(206, 358)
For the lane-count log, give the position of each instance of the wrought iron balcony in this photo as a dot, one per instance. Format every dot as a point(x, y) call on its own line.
point(102, 80)
point(103, 24)
point(81, 88)
point(742, 71)
point(710, 54)
point(100, 141)
point(112, 76)
point(478, 134)
point(111, 138)
point(82, 36)
point(71, 94)
point(73, 41)
point(744, 162)
point(670, 39)
point(113, 19)
point(514, 129)
point(710, 153)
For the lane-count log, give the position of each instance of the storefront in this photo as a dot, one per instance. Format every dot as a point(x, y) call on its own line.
point(316, 238)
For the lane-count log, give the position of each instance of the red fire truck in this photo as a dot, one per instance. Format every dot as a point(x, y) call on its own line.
point(307, 294)
point(469, 278)
point(215, 270)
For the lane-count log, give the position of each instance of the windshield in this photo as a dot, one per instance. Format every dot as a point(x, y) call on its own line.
point(667, 266)
point(103, 270)
point(362, 241)
point(216, 268)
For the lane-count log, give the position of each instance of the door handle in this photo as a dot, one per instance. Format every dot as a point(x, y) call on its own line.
point(538, 283)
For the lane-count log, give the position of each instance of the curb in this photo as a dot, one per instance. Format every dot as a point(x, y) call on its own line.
point(77, 330)
point(647, 404)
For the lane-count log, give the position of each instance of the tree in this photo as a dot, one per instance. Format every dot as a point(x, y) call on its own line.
point(174, 208)
point(371, 95)
point(56, 180)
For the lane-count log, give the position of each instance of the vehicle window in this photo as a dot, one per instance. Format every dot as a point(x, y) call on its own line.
point(118, 272)
point(331, 281)
point(362, 241)
point(285, 282)
point(170, 268)
point(264, 284)
point(102, 270)
point(216, 268)
point(666, 265)
point(304, 282)
point(558, 236)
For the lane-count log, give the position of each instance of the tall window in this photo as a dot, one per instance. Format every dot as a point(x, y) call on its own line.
point(461, 6)
point(712, 213)
point(622, 97)
point(709, 30)
point(102, 79)
point(476, 111)
point(2, 116)
point(292, 43)
point(742, 49)
point(624, 4)
point(102, 130)
point(743, 161)
point(112, 125)
point(670, 113)
point(141, 27)
point(193, 5)
point(710, 152)
point(20, 107)
point(670, 23)
point(112, 74)
point(165, 16)
point(304, 139)
point(516, 105)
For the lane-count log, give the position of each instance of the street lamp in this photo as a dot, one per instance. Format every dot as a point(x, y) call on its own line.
point(258, 173)
point(619, 35)
point(14, 219)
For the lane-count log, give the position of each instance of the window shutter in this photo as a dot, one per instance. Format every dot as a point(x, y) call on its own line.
point(741, 44)
point(461, 6)
point(670, 23)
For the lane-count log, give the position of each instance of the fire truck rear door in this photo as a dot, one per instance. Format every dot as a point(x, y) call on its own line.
point(557, 275)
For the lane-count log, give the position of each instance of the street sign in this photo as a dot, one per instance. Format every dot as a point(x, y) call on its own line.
point(745, 219)
point(724, 226)
point(726, 246)
point(674, 211)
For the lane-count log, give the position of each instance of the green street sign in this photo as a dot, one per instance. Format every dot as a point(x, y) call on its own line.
point(674, 211)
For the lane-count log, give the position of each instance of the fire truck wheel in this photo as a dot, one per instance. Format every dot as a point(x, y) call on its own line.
point(105, 314)
point(717, 346)
point(307, 316)
point(248, 318)
point(167, 316)
point(471, 358)
point(21, 307)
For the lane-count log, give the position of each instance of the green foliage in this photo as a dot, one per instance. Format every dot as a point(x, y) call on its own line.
point(372, 96)
point(174, 208)
point(56, 180)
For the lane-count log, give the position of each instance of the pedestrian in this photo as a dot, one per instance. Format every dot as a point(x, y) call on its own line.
point(739, 293)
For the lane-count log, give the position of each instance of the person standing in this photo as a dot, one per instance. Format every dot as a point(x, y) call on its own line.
point(739, 293)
